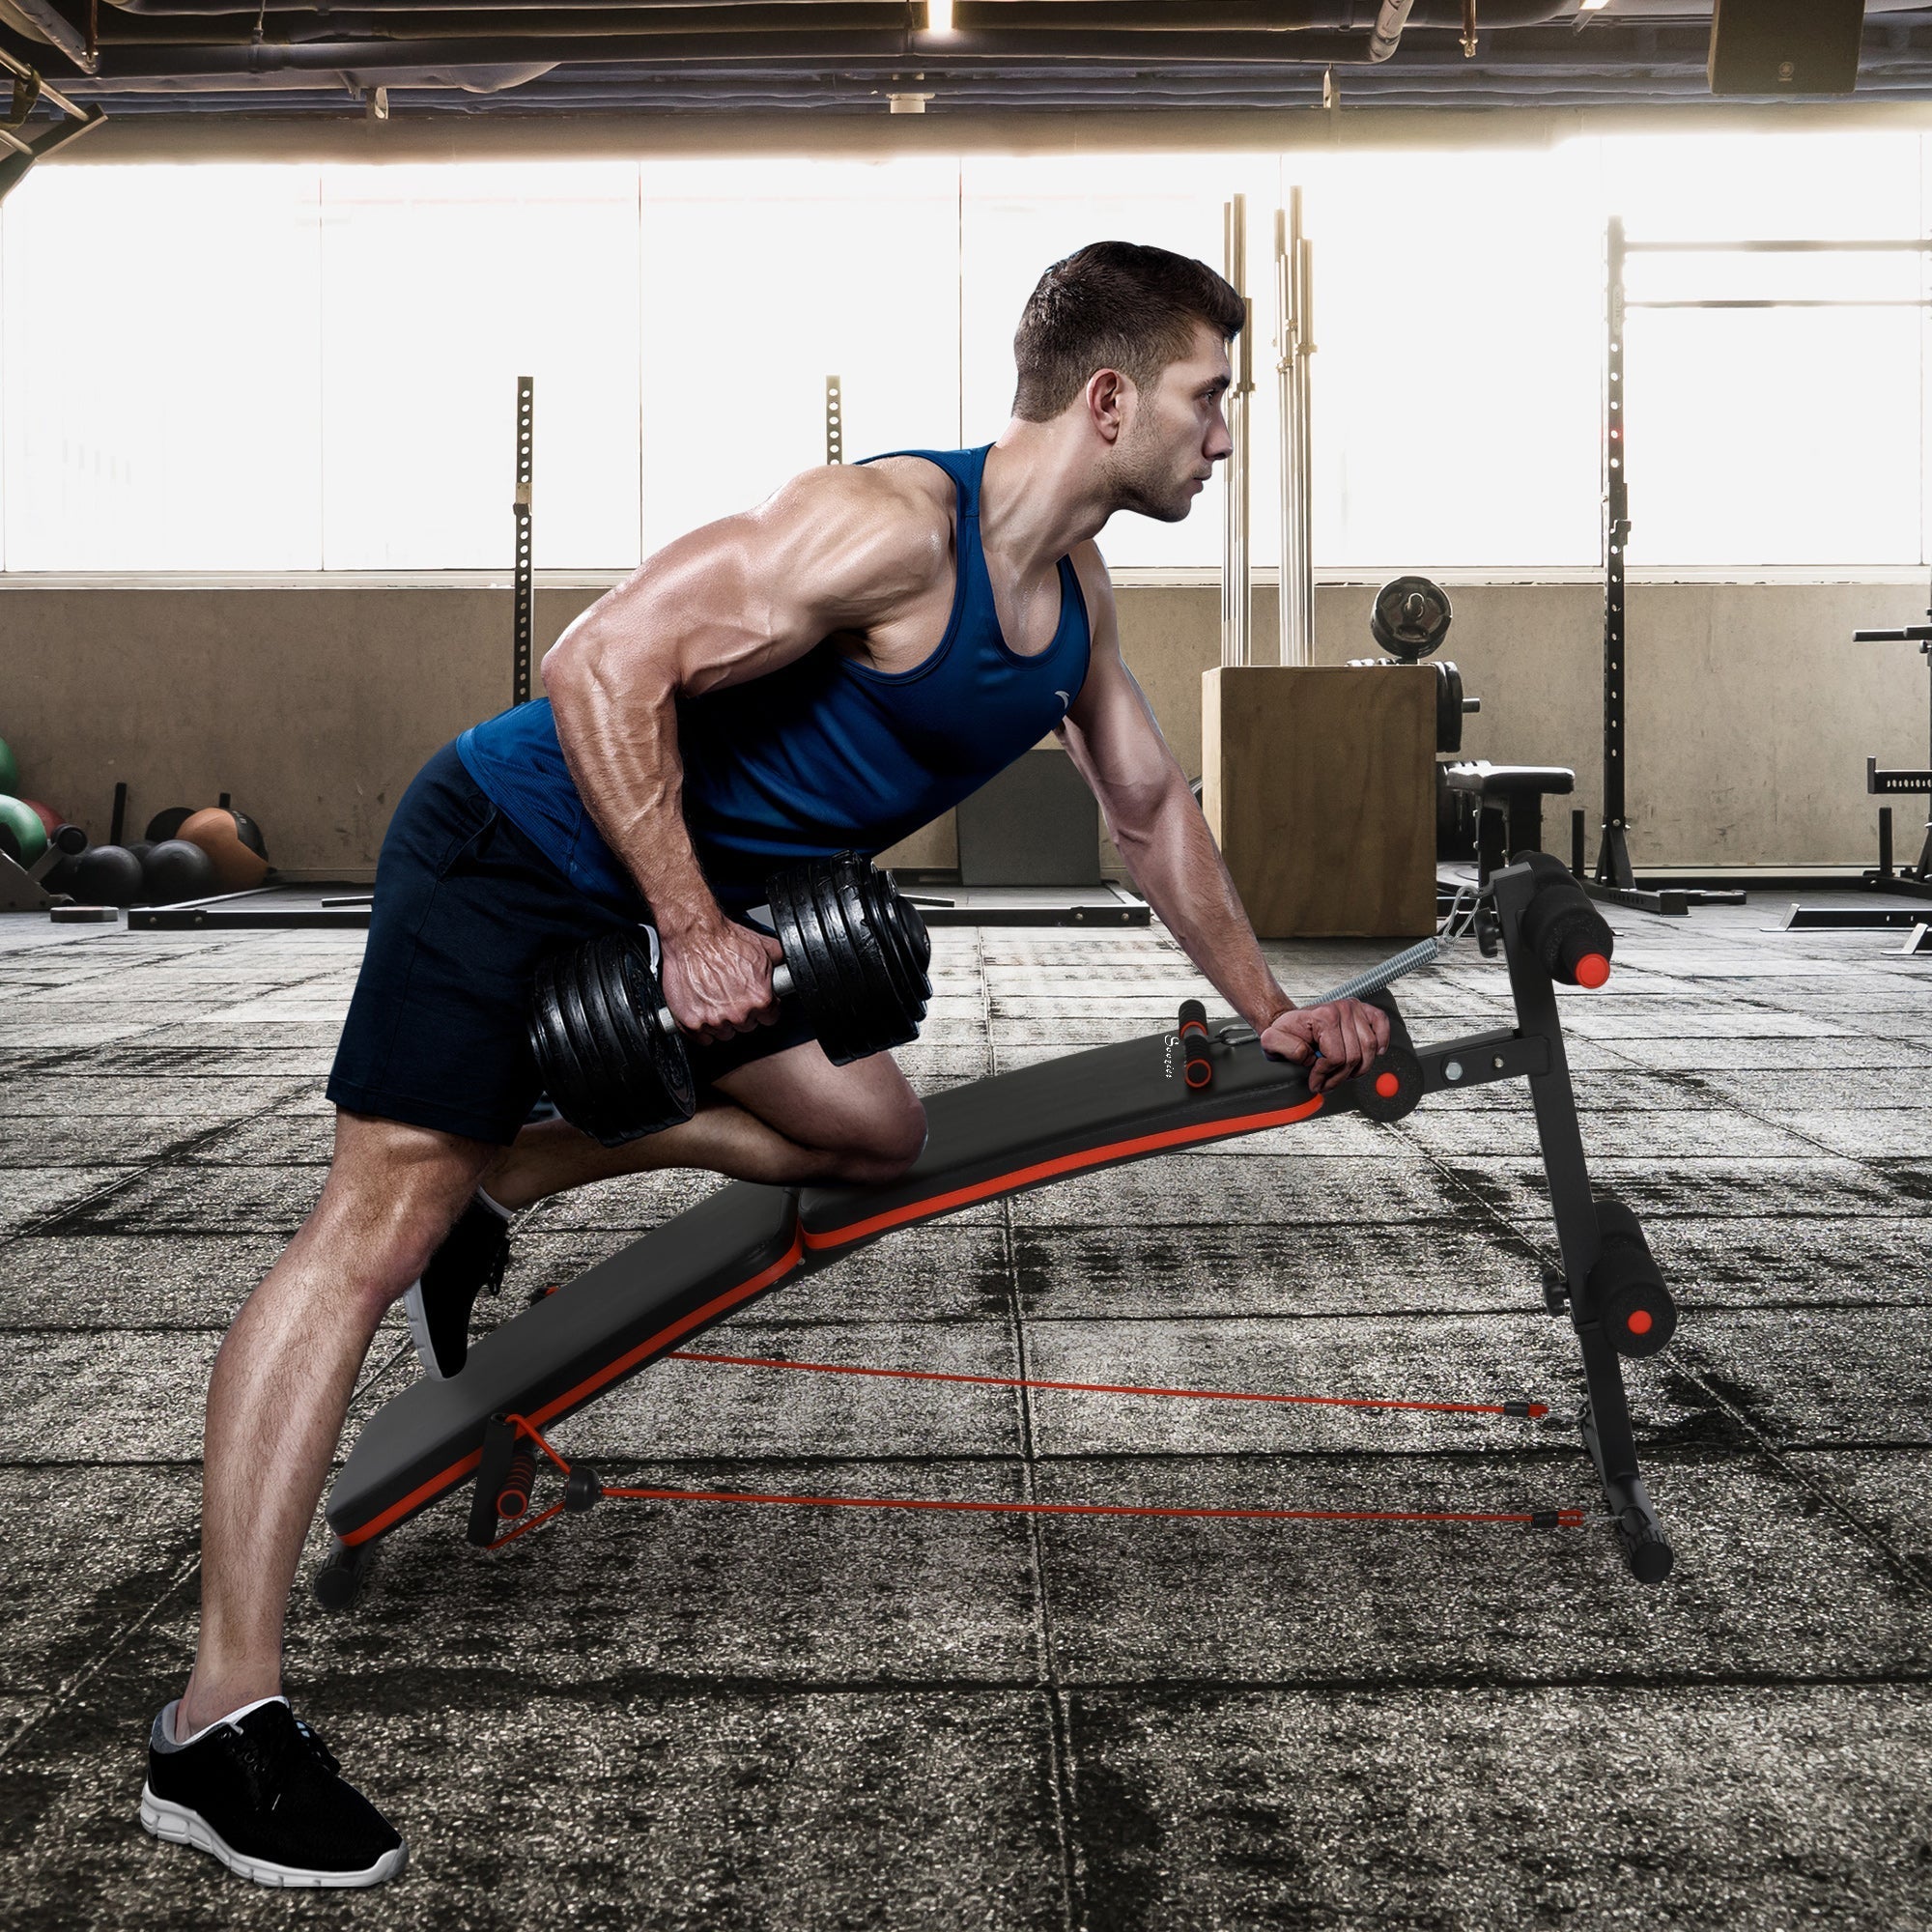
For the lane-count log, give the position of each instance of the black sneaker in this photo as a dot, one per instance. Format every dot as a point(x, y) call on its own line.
point(468, 1263)
point(262, 1793)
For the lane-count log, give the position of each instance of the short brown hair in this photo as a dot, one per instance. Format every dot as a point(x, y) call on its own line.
point(1114, 305)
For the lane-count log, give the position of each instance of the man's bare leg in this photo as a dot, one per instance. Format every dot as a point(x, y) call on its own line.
point(284, 1375)
point(282, 1382)
point(789, 1118)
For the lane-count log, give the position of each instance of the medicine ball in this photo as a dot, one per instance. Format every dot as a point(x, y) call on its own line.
point(22, 836)
point(107, 876)
point(45, 813)
point(10, 769)
point(239, 865)
point(167, 824)
point(176, 871)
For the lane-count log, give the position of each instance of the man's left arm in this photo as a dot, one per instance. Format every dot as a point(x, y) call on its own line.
point(1171, 856)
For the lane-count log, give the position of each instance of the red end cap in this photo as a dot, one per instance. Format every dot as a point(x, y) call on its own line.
point(1640, 1321)
point(1387, 1086)
point(1592, 970)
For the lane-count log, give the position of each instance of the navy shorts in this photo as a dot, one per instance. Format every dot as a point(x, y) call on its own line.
point(464, 908)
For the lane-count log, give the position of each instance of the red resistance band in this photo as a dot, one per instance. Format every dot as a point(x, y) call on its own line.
point(1556, 1518)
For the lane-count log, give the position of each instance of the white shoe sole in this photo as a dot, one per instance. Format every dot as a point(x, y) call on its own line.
point(418, 1320)
point(175, 1824)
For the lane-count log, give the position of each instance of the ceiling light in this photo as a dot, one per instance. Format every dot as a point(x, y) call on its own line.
point(938, 16)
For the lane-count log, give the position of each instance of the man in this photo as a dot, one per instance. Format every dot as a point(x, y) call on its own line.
point(827, 672)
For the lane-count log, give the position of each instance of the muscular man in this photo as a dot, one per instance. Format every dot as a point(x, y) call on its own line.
point(827, 672)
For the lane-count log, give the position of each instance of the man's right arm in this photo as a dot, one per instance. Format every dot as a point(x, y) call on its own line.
point(835, 549)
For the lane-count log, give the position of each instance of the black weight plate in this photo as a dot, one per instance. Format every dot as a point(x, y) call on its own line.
point(1448, 706)
point(650, 1085)
point(905, 949)
point(908, 945)
point(660, 1061)
point(816, 982)
point(854, 957)
point(551, 1043)
point(588, 1079)
point(167, 824)
point(884, 1016)
point(1410, 618)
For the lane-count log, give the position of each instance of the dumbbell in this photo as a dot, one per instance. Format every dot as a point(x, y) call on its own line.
point(1627, 1286)
point(612, 1056)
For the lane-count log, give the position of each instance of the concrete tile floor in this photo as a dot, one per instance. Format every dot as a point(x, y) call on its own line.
point(701, 1715)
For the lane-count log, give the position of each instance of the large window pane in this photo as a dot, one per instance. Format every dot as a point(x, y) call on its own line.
point(1773, 436)
point(761, 278)
point(1457, 301)
point(441, 286)
point(159, 343)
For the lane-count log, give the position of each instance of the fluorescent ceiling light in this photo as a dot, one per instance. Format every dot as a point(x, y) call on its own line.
point(938, 16)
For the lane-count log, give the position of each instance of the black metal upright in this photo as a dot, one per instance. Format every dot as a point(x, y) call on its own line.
point(1614, 879)
point(520, 683)
point(1614, 866)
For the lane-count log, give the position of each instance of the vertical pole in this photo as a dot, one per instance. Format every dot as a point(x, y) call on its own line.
point(525, 595)
point(1237, 598)
point(834, 420)
point(1614, 866)
point(1292, 270)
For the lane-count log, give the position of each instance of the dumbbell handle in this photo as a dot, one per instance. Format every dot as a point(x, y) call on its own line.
point(1424, 953)
point(781, 987)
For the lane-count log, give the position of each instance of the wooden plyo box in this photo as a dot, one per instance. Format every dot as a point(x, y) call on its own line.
point(1318, 782)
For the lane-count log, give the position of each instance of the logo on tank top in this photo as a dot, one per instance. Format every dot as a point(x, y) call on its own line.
point(1066, 698)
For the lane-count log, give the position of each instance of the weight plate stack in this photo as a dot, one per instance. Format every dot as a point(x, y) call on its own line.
point(857, 951)
point(614, 1073)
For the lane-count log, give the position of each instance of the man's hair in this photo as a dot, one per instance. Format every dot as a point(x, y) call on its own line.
point(1114, 305)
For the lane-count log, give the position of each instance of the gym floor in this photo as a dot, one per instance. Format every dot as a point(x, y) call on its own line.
point(685, 1716)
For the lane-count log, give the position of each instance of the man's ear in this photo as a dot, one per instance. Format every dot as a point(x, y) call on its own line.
point(1109, 399)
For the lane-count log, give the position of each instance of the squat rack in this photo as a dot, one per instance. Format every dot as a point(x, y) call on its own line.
point(1614, 879)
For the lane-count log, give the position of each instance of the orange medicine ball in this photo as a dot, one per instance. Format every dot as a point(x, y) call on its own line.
point(237, 866)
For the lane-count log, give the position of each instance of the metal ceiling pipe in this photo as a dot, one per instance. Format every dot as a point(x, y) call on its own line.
point(1132, 50)
point(1256, 15)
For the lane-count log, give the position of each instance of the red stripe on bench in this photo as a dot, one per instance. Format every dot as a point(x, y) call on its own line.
point(571, 1398)
point(1062, 1164)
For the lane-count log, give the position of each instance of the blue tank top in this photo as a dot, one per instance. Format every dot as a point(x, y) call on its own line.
point(824, 754)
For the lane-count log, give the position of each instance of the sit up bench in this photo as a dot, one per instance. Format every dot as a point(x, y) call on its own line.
point(1188, 1087)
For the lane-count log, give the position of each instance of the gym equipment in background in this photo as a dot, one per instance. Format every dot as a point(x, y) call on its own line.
point(24, 883)
point(523, 619)
point(1002, 1136)
point(1499, 809)
point(1900, 782)
point(1036, 823)
point(233, 843)
point(108, 875)
point(1613, 878)
point(611, 1057)
point(1914, 881)
point(174, 869)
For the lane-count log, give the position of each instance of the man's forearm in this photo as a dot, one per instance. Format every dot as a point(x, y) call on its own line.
point(623, 758)
point(1175, 863)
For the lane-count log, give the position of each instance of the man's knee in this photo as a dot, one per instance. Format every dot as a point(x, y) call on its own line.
point(883, 1143)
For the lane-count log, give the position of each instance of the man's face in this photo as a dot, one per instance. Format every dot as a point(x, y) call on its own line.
point(1175, 435)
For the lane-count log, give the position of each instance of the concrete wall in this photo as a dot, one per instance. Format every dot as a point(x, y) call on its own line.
point(1752, 712)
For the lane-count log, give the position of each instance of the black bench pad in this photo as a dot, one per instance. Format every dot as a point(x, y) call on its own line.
point(1490, 780)
point(665, 1286)
point(1015, 1131)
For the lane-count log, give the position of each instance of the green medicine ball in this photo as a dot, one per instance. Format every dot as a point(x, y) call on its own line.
point(22, 836)
point(10, 768)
